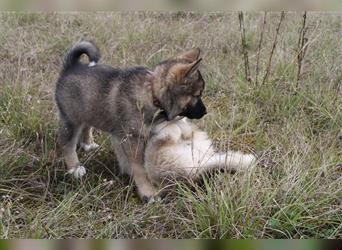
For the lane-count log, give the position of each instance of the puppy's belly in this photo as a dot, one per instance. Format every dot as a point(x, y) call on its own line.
point(103, 123)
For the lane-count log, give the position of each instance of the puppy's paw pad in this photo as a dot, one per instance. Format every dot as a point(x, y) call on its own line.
point(77, 172)
point(88, 147)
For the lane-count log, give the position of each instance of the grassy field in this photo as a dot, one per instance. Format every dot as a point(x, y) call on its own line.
point(293, 126)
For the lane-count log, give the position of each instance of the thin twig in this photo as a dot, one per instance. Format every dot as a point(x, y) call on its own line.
point(259, 49)
point(302, 42)
point(268, 69)
point(244, 46)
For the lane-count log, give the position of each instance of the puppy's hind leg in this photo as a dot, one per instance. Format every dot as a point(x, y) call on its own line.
point(68, 137)
point(87, 142)
point(232, 161)
point(238, 161)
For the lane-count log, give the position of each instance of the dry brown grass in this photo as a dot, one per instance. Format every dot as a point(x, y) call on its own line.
point(296, 131)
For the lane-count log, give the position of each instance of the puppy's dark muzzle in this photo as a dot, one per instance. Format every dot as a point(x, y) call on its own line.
point(195, 112)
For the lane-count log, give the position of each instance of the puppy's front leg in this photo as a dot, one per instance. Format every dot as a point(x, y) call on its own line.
point(134, 150)
point(146, 190)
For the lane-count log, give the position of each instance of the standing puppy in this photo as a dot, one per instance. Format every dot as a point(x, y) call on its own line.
point(125, 103)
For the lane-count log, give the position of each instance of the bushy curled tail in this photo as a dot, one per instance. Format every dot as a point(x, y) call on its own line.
point(84, 47)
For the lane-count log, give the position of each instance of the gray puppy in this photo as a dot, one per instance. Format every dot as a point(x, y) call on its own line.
point(126, 103)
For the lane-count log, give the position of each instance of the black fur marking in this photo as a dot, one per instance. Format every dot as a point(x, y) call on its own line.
point(195, 112)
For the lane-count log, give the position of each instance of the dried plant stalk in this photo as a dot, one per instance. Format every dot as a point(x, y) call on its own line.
point(302, 47)
point(259, 49)
point(268, 68)
point(244, 46)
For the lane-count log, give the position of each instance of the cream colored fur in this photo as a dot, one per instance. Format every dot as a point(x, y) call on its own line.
point(178, 149)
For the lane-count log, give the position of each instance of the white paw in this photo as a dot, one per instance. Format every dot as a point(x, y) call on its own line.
point(77, 172)
point(92, 64)
point(88, 147)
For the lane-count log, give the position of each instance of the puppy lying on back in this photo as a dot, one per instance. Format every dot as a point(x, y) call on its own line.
point(179, 150)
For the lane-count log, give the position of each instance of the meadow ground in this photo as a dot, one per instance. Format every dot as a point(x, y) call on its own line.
point(293, 126)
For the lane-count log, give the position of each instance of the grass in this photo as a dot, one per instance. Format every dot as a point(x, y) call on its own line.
point(296, 190)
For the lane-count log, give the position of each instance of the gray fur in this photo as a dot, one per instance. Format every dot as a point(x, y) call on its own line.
point(117, 101)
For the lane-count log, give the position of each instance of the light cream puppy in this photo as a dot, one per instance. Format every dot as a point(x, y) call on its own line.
point(178, 149)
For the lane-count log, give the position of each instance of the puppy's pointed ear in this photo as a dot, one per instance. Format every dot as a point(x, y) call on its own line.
point(181, 70)
point(191, 55)
point(193, 67)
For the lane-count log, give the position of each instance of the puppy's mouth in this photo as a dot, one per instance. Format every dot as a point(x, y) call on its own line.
point(162, 116)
